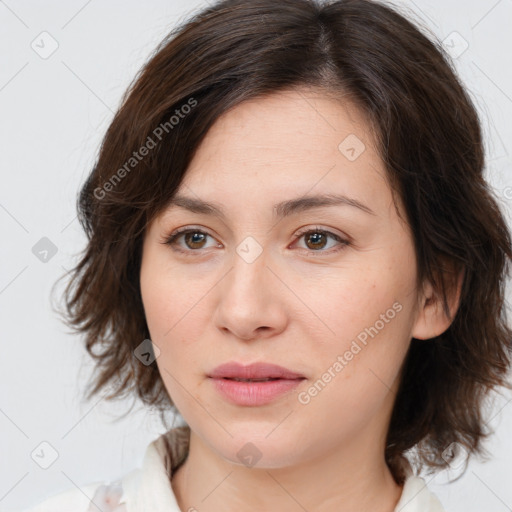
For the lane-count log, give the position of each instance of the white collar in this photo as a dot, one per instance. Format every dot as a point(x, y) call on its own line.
point(416, 497)
point(149, 488)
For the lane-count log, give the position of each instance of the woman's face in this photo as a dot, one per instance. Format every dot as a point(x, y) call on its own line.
point(324, 289)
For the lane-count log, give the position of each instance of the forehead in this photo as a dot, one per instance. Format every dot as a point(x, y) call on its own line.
point(291, 124)
point(284, 145)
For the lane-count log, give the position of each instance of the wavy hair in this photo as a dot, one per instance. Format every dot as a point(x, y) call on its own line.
point(429, 137)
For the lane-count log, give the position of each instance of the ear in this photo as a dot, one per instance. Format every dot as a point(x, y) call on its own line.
point(432, 320)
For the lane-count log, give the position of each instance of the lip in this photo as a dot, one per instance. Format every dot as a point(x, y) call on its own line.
point(253, 393)
point(253, 371)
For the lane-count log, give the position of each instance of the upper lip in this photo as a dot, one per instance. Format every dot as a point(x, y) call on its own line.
point(253, 371)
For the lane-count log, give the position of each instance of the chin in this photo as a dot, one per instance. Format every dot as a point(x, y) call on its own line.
point(256, 448)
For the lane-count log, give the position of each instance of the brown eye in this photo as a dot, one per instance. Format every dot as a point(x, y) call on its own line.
point(195, 239)
point(189, 241)
point(316, 240)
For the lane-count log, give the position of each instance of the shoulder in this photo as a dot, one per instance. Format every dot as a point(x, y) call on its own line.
point(104, 496)
point(148, 486)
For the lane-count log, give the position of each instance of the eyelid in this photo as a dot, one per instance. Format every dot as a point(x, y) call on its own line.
point(343, 240)
point(317, 228)
point(173, 236)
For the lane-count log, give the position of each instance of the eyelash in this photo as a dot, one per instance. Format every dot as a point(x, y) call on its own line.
point(172, 238)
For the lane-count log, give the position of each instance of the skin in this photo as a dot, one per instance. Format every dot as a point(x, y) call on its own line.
point(299, 304)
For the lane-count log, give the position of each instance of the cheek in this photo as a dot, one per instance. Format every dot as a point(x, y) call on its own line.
point(160, 300)
point(168, 314)
point(169, 296)
point(357, 373)
point(347, 301)
point(369, 312)
point(157, 305)
point(175, 320)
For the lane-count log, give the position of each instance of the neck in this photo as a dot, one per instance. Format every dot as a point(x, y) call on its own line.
point(350, 478)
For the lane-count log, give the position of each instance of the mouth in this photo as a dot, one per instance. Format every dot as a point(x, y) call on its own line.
point(254, 385)
point(252, 380)
point(256, 372)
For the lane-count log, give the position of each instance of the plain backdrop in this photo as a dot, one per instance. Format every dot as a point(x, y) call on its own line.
point(57, 98)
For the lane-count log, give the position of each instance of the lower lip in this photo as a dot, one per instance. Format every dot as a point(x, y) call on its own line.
point(254, 393)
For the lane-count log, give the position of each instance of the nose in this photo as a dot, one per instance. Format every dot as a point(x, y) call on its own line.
point(251, 300)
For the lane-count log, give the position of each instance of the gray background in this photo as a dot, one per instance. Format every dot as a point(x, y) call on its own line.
point(54, 111)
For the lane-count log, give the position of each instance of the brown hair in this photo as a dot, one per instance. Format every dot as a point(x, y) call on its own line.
point(429, 138)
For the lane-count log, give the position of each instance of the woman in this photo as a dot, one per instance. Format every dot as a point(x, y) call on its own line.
point(292, 245)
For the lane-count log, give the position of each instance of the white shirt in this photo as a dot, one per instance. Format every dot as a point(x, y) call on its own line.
point(149, 489)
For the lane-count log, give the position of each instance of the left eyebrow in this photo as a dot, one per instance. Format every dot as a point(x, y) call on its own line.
point(301, 204)
point(282, 209)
